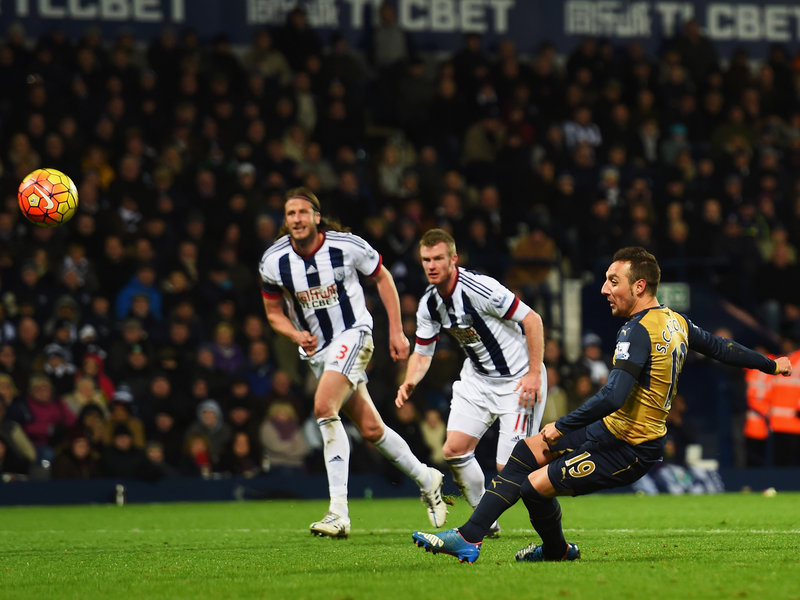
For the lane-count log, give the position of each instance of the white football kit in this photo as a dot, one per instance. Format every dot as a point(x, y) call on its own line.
point(484, 317)
point(323, 295)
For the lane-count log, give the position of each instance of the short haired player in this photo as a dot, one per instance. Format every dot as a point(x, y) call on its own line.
point(313, 296)
point(502, 377)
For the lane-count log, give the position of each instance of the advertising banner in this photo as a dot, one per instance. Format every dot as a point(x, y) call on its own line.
point(435, 25)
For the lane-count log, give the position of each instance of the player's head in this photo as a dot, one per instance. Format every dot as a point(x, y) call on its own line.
point(644, 266)
point(631, 280)
point(437, 250)
point(302, 215)
point(303, 201)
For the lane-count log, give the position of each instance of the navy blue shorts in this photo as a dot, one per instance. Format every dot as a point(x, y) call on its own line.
point(592, 459)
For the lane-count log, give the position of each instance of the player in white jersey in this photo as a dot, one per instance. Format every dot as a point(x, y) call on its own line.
point(313, 296)
point(503, 376)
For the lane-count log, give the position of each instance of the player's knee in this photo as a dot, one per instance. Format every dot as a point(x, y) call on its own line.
point(372, 432)
point(530, 493)
point(453, 451)
point(522, 458)
point(457, 444)
point(326, 415)
point(324, 410)
point(537, 487)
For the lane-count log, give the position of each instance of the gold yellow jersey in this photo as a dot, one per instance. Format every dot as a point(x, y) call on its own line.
point(654, 343)
point(649, 355)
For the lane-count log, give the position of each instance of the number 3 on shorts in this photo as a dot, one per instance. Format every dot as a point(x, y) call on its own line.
point(342, 352)
point(580, 466)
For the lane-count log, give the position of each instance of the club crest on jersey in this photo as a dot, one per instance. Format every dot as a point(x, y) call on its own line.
point(622, 351)
point(318, 297)
point(338, 273)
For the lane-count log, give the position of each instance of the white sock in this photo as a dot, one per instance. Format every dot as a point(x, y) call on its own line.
point(395, 448)
point(469, 477)
point(336, 450)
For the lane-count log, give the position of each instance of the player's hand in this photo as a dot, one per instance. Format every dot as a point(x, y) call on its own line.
point(307, 342)
point(550, 434)
point(529, 386)
point(399, 346)
point(784, 366)
point(404, 393)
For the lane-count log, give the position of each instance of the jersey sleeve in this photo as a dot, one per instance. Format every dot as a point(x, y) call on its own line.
point(427, 330)
point(633, 349)
point(502, 302)
point(270, 280)
point(366, 259)
point(727, 351)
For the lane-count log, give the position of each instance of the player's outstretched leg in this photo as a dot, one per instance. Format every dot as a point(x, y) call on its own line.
point(448, 542)
point(502, 493)
point(429, 480)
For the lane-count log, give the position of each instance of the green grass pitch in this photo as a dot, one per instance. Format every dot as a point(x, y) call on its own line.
point(641, 547)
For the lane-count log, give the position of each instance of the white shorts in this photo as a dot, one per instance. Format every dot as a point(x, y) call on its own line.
point(348, 354)
point(478, 401)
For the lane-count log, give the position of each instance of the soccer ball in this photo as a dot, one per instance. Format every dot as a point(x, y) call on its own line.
point(47, 197)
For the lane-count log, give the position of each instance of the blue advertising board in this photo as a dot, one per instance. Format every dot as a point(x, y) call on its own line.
point(434, 24)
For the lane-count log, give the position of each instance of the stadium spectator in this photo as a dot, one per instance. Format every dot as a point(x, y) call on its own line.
point(240, 458)
point(123, 459)
point(210, 424)
point(195, 460)
point(76, 459)
point(85, 392)
point(121, 412)
point(284, 445)
point(44, 416)
point(20, 453)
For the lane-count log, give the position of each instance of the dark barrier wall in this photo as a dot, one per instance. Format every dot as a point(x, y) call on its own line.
point(434, 24)
point(193, 489)
point(106, 491)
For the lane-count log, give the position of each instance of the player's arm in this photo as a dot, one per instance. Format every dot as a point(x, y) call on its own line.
point(280, 323)
point(530, 383)
point(398, 342)
point(418, 365)
point(733, 353)
point(610, 397)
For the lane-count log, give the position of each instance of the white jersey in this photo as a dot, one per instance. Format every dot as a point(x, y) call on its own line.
point(322, 291)
point(483, 316)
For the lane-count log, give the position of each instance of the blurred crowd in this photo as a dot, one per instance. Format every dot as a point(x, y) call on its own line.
point(133, 341)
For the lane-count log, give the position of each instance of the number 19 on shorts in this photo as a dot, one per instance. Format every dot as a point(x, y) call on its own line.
point(580, 465)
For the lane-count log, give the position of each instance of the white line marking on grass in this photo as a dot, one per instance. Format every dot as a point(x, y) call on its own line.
point(272, 530)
